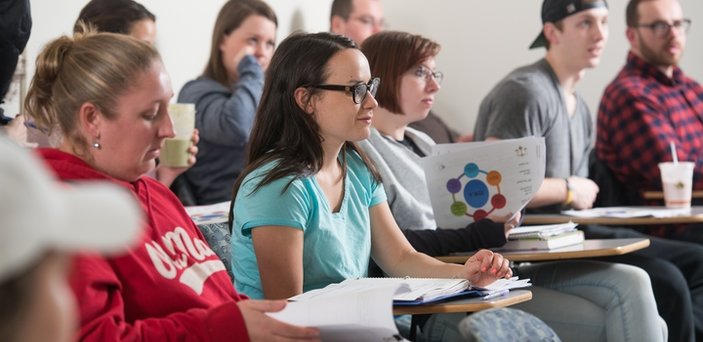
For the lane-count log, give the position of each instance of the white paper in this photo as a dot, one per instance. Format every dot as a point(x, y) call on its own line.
point(209, 214)
point(541, 231)
point(627, 212)
point(470, 181)
point(407, 289)
point(343, 314)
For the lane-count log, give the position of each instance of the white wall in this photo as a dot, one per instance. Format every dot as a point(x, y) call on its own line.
point(481, 40)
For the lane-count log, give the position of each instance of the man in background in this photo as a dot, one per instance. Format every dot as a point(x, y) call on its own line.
point(541, 100)
point(359, 19)
point(651, 104)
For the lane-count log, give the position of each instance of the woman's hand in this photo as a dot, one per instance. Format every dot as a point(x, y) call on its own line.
point(166, 175)
point(246, 50)
point(510, 221)
point(261, 327)
point(485, 267)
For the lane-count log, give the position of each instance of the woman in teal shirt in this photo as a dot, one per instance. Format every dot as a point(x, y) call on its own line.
point(310, 209)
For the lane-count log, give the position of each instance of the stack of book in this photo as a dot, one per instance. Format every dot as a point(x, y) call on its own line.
point(543, 237)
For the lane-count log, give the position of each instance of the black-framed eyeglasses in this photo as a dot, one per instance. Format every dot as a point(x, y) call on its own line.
point(358, 90)
point(662, 28)
point(426, 74)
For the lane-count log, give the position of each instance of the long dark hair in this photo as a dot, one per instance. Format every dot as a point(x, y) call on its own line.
point(283, 131)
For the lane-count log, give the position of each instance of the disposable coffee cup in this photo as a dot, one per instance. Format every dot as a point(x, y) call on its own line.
point(677, 180)
point(175, 150)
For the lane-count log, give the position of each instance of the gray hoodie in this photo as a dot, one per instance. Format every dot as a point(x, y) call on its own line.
point(224, 117)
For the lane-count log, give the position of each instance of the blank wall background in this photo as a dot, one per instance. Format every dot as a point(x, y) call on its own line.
point(481, 40)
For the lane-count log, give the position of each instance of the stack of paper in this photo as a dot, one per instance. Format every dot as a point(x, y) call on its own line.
point(364, 314)
point(502, 286)
point(417, 291)
point(209, 214)
point(628, 212)
point(541, 231)
point(543, 237)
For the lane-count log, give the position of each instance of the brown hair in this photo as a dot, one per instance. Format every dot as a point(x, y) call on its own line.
point(341, 8)
point(632, 16)
point(390, 55)
point(90, 67)
point(116, 16)
point(231, 16)
point(300, 61)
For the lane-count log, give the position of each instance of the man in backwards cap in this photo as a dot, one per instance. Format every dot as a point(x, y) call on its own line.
point(540, 100)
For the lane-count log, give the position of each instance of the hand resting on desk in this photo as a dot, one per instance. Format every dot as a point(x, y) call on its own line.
point(485, 267)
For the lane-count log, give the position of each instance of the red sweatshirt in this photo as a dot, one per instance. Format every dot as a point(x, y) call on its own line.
point(170, 286)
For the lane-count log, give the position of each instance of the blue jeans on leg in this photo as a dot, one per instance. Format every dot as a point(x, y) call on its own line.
point(593, 301)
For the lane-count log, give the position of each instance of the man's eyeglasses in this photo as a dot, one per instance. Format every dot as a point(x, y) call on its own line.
point(358, 90)
point(662, 28)
point(370, 21)
point(426, 74)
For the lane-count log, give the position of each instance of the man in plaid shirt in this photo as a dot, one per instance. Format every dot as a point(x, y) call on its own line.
point(651, 103)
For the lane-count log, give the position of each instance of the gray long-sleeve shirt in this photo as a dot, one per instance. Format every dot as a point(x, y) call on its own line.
point(224, 117)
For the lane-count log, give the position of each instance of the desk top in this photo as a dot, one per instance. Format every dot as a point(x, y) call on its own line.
point(696, 216)
point(466, 305)
point(588, 249)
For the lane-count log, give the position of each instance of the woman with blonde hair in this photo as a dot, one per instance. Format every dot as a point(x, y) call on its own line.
point(109, 94)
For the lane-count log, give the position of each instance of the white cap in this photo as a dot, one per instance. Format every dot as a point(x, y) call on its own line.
point(38, 214)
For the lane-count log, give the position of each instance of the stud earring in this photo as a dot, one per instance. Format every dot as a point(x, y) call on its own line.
point(96, 145)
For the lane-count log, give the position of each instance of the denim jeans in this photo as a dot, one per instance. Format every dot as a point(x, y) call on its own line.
point(593, 301)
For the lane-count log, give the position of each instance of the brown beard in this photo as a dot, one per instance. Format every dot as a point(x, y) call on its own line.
point(657, 58)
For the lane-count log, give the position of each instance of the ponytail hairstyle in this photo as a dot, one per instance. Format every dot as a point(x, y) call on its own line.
point(88, 67)
point(283, 131)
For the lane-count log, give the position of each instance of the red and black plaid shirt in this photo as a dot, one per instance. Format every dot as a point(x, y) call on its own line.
point(641, 111)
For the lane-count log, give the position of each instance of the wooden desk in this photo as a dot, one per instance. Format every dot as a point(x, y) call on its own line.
point(696, 216)
point(660, 194)
point(588, 249)
point(466, 305)
point(462, 305)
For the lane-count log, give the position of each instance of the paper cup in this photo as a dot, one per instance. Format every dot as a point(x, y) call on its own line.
point(677, 180)
point(175, 150)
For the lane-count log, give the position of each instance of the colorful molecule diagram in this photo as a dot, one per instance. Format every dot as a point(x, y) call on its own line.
point(475, 193)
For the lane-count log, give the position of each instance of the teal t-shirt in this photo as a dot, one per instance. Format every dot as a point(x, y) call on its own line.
point(336, 246)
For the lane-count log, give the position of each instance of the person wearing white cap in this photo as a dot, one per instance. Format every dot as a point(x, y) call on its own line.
point(109, 94)
point(43, 225)
point(541, 100)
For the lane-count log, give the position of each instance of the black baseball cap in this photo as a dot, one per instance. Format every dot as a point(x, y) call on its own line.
point(555, 10)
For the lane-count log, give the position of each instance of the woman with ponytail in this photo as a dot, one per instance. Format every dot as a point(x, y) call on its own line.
point(108, 95)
